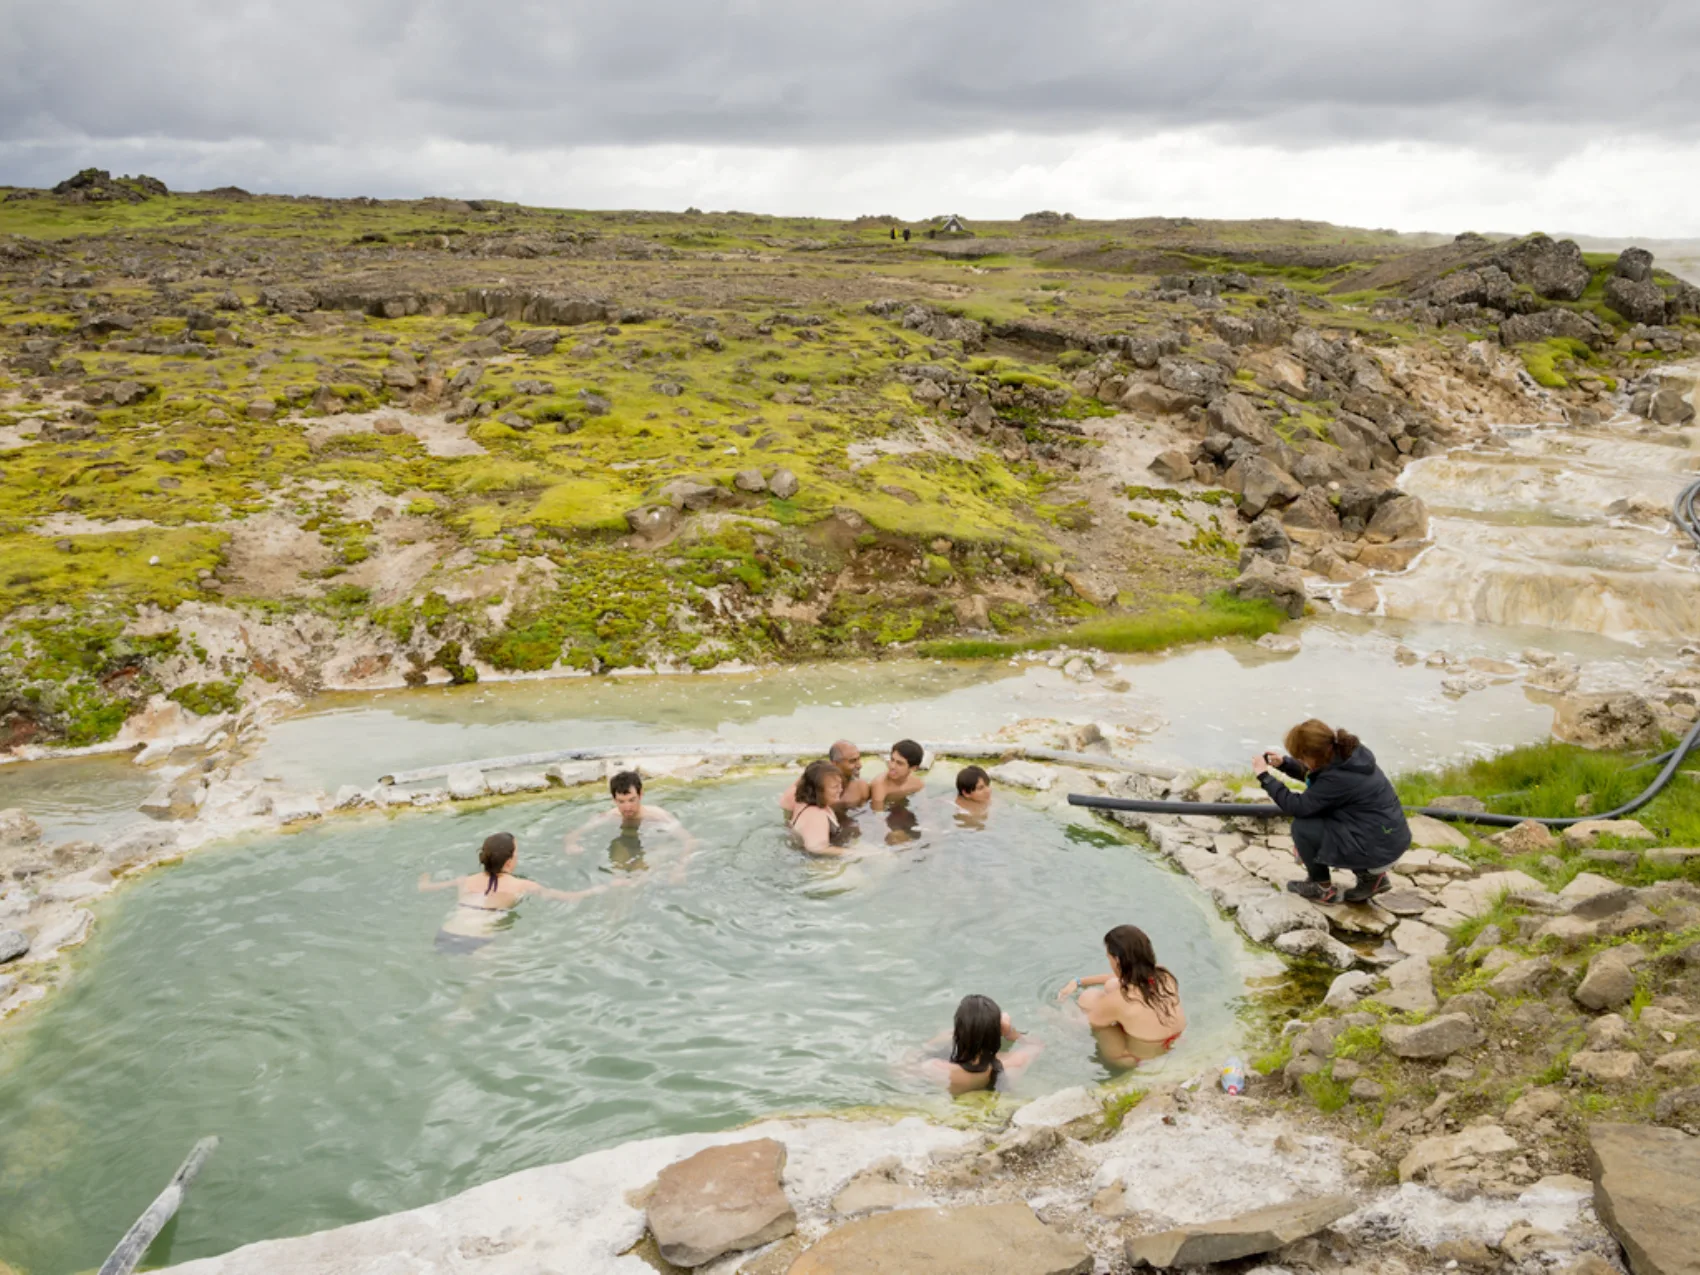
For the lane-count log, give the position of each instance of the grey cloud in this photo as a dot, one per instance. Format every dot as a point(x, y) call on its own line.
point(796, 72)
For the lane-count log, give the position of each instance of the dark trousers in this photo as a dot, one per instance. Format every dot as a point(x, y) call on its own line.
point(1307, 840)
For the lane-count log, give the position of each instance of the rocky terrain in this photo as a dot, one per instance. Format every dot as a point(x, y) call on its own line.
point(251, 443)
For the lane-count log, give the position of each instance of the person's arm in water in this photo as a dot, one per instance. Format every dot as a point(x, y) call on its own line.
point(574, 842)
point(563, 896)
point(426, 884)
point(1020, 1058)
point(1088, 980)
point(669, 823)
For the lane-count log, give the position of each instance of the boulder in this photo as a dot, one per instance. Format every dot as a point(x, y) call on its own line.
point(1318, 945)
point(1268, 581)
point(1669, 407)
point(1172, 466)
point(1402, 518)
point(1579, 836)
point(1023, 774)
point(783, 484)
point(969, 1240)
point(1647, 1192)
point(1543, 325)
point(1470, 1145)
point(1638, 300)
point(1260, 484)
point(1614, 719)
point(1521, 978)
point(1609, 982)
point(1554, 270)
point(1312, 512)
point(1430, 833)
point(1527, 837)
point(1437, 1038)
point(1410, 987)
point(1245, 1235)
point(1634, 264)
point(1414, 938)
point(749, 480)
point(1190, 377)
point(1273, 913)
point(652, 521)
point(1267, 538)
point(721, 1200)
point(688, 493)
point(1348, 989)
point(13, 944)
point(1238, 417)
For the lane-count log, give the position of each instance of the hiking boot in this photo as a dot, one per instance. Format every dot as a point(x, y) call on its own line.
point(1321, 891)
point(1368, 886)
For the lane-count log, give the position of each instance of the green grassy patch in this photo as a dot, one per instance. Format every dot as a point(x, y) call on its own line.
point(1182, 621)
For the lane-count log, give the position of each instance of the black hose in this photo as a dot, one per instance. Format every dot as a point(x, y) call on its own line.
point(1689, 743)
point(1686, 511)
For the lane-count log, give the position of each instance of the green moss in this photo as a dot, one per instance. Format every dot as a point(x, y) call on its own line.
point(1547, 361)
point(1326, 1092)
point(207, 699)
point(1118, 1103)
point(1358, 1042)
point(1181, 621)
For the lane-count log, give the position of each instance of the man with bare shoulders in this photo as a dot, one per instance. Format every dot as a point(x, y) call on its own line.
point(902, 778)
point(632, 816)
point(848, 758)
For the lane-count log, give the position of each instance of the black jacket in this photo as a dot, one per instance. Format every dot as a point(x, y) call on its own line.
point(1361, 821)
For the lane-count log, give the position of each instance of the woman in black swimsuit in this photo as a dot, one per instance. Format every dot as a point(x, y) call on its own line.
point(488, 895)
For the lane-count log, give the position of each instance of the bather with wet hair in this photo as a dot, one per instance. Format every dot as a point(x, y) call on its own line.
point(488, 895)
point(1135, 1009)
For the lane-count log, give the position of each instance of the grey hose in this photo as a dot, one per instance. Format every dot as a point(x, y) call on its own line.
point(1686, 511)
point(1689, 743)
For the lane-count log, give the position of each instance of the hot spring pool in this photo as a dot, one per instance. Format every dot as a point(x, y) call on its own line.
point(286, 995)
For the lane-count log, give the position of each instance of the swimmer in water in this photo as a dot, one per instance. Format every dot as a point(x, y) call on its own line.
point(812, 820)
point(975, 1038)
point(625, 852)
point(973, 797)
point(1134, 1010)
point(488, 895)
point(902, 779)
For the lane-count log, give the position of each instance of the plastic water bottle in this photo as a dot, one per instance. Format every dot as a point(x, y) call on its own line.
point(1233, 1076)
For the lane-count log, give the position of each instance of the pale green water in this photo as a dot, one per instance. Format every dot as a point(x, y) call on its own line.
point(285, 995)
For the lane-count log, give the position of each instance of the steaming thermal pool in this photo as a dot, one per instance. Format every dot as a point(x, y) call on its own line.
point(285, 994)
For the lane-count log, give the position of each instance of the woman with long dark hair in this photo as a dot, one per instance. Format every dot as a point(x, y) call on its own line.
point(489, 894)
point(1135, 1009)
point(976, 1039)
point(1348, 815)
point(813, 820)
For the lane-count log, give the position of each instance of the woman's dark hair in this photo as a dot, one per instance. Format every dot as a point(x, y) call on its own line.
point(977, 1035)
point(909, 750)
point(968, 779)
point(497, 853)
point(811, 787)
point(626, 781)
point(1137, 969)
point(1317, 744)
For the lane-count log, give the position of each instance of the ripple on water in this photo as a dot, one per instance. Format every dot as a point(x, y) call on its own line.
point(285, 995)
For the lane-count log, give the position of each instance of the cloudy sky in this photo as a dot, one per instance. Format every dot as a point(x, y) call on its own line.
point(1444, 115)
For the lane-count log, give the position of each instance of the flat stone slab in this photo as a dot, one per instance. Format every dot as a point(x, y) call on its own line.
point(1260, 1231)
point(974, 1240)
point(1472, 898)
point(1647, 1192)
point(719, 1201)
point(1429, 833)
point(13, 944)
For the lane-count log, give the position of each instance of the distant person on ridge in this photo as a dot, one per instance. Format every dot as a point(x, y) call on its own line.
point(1348, 816)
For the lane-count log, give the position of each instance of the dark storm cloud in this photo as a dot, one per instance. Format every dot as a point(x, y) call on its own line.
point(359, 73)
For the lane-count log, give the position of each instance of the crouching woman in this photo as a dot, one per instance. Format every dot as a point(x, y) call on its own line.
point(1348, 815)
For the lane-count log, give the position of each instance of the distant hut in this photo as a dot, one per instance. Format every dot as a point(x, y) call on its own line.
point(954, 225)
